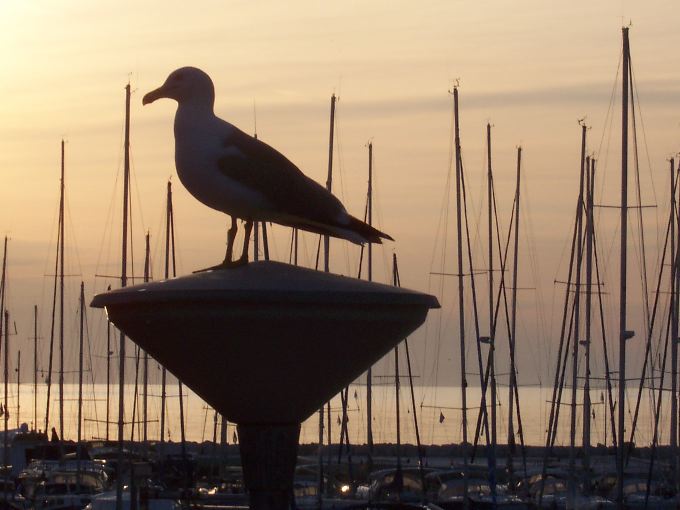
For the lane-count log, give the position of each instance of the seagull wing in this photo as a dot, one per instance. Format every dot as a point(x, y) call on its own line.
point(255, 165)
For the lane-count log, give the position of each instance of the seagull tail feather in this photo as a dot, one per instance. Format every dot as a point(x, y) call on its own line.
point(353, 230)
point(369, 233)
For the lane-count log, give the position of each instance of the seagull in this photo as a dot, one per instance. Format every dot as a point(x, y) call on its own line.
point(232, 172)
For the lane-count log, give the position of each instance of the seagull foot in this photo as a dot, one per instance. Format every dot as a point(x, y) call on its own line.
point(226, 264)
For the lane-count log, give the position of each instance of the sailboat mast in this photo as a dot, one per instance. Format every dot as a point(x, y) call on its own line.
point(171, 222)
point(674, 328)
point(61, 297)
point(326, 262)
point(18, 413)
point(4, 314)
point(369, 372)
point(50, 363)
point(108, 376)
point(397, 381)
point(166, 274)
point(126, 189)
point(329, 179)
point(590, 227)
point(123, 283)
point(461, 294)
point(6, 375)
point(492, 345)
point(80, 381)
point(576, 321)
point(145, 384)
point(6, 413)
point(513, 324)
point(5, 324)
point(35, 367)
point(623, 333)
point(369, 209)
point(3, 281)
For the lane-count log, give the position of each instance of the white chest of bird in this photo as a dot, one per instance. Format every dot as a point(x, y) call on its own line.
point(199, 144)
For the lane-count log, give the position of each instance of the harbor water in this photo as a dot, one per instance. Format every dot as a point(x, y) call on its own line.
point(437, 409)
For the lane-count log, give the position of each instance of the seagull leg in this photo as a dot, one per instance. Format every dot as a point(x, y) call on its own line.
point(246, 242)
point(231, 235)
point(227, 262)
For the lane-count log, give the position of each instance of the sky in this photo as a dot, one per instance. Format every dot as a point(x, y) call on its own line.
point(531, 68)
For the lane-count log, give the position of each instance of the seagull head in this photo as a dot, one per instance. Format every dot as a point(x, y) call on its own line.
point(185, 85)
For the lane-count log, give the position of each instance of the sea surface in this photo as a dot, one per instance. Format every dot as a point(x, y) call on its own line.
point(438, 411)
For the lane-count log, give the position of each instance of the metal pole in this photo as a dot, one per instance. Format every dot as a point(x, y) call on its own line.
point(166, 274)
point(326, 261)
point(108, 376)
point(623, 333)
point(400, 482)
point(513, 327)
point(80, 383)
point(492, 345)
point(61, 298)
point(369, 372)
point(329, 178)
point(674, 331)
point(18, 387)
point(145, 384)
point(123, 283)
point(461, 294)
point(6, 414)
point(576, 324)
point(256, 224)
point(590, 227)
point(35, 367)
point(171, 218)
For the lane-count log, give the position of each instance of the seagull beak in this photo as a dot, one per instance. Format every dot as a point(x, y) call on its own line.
point(153, 95)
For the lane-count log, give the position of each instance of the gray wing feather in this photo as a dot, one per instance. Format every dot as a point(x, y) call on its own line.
point(260, 167)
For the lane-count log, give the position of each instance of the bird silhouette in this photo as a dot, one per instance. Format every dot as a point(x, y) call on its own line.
point(230, 171)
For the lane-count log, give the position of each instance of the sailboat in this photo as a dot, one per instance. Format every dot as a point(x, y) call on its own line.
point(486, 369)
point(593, 483)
